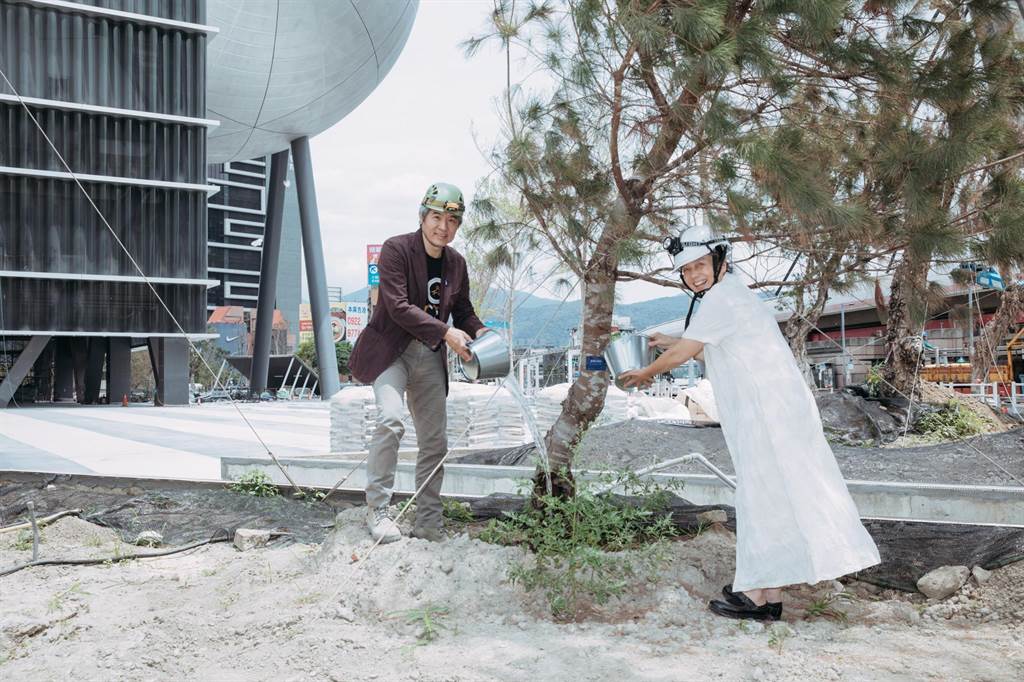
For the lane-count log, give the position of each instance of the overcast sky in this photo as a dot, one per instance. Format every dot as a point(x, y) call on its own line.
point(422, 124)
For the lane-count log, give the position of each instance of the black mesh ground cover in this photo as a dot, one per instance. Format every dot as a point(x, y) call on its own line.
point(908, 549)
point(185, 511)
point(181, 511)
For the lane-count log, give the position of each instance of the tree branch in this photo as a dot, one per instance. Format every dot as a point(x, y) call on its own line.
point(617, 77)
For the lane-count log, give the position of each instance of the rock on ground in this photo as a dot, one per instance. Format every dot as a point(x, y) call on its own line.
point(249, 538)
point(943, 581)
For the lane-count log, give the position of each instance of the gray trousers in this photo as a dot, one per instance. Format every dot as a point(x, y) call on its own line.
point(418, 375)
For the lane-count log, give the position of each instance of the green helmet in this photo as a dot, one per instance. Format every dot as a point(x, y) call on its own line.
point(443, 198)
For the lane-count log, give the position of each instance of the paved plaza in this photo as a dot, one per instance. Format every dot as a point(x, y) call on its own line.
point(167, 442)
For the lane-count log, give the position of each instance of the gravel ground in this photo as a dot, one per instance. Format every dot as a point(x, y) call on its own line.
point(633, 444)
point(304, 612)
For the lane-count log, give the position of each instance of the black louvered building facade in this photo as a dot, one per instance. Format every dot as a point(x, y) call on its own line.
point(119, 87)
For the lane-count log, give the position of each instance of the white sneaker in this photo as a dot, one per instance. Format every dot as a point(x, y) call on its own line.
point(381, 526)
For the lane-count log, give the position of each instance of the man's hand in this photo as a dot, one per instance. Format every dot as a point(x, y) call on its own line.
point(481, 331)
point(459, 341)
point(637, 378)
point(661, 341)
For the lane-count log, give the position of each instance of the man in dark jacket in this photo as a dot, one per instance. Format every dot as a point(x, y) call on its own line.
point(423, 283)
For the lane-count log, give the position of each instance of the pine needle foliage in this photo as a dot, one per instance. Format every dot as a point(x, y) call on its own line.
point(850, 136)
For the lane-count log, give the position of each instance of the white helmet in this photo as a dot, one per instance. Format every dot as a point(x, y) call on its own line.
point(694, 242)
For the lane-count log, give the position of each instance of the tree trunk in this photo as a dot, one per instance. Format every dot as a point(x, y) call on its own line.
point(586, 395)
point(796, 332)
point(1010, 309)
point(805, 318)
point(903, 342)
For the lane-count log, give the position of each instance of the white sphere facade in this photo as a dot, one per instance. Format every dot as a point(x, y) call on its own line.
point(281, 69)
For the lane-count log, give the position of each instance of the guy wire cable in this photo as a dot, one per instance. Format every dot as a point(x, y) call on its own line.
point(466, 430)
point(142, 274)
point(415, 494)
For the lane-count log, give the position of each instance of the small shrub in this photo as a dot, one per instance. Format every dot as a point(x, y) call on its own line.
point(457, 511)
point(255, 483)
point(56, 602)
point(777, 636)
point(23, 542)
point(309, 495)
point(826, 607)
point(428, 619)
point(875, 379)
point(585, 550)
point(952, 421)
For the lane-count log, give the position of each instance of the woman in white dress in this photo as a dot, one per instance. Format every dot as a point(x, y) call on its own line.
point(795, 520)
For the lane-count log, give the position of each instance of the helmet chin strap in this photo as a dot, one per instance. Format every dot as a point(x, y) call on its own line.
point(717, 258)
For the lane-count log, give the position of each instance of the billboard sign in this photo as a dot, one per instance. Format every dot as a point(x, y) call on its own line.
point(305, 323)
point(356, 320)
point(338, 320)
point(372, 259)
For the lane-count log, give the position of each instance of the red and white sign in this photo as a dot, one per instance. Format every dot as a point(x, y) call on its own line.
point(373, 253)
point(356, 320)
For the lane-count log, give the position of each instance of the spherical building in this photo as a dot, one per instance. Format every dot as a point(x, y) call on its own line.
point(282, 69)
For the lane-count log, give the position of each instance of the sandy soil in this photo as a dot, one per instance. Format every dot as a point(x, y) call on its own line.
point(305, 612)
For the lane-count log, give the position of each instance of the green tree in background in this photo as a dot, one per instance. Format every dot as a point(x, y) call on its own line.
point(307, 353)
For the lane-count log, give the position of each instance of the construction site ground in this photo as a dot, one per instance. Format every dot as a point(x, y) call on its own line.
point(303, 610)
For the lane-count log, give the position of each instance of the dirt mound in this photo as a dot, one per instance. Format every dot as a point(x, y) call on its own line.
point(936, 395)
point(464, 575)
point(298, 612)
point(66, 538)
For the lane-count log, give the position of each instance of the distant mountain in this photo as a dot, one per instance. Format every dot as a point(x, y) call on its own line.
point(359, 295)
point(547, 322)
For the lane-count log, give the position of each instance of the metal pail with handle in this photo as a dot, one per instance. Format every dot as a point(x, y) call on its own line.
point(627, 353)
point(490, 358)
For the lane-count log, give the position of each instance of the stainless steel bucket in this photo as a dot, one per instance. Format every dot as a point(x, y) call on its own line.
point(490, 358)
point(626, 353)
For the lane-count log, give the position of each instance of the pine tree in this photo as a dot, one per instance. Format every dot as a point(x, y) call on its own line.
point(951, 110)
point(609, 161)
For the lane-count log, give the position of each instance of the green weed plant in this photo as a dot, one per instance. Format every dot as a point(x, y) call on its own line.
point(587, 550)
point(952, 421)
point(254, 483)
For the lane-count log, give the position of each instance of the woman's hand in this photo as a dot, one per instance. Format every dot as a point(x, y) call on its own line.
point(481, 331)
point(661, 341)
point(637, 378)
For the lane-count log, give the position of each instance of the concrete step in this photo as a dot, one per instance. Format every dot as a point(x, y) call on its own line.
point(950, 503)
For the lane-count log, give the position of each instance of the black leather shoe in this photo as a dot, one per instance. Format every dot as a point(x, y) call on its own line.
point(748, 610)
point(732, 597)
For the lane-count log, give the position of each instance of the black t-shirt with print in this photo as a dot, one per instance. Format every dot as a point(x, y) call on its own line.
point(435, 285)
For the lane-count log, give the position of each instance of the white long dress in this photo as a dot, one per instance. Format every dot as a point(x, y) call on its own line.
point(795, 519)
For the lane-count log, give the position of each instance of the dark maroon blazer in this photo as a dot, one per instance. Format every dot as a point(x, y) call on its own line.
point(400, 316)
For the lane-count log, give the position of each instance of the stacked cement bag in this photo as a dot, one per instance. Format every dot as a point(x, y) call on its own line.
point(493, 417)
point(700, 400)
point(492, 422)
point(350, 419)
point(548, 405)
point(661, 408)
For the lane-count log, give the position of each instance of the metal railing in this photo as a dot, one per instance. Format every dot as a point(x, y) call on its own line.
point(1003, 396)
